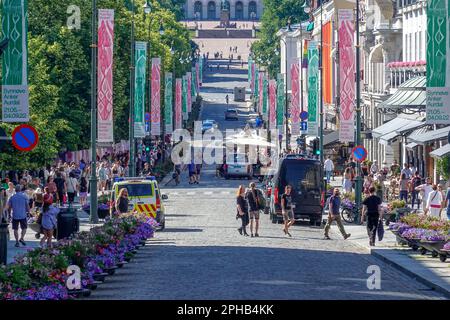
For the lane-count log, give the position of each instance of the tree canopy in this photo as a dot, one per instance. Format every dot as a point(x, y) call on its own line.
point(59, 62)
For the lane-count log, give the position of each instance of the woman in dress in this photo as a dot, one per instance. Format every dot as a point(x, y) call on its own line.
point(347, 183)
point(49, 221)
point(242, 210)
point(434, 202)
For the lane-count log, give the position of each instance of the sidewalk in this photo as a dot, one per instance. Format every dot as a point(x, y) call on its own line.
point(33, 243)
point(425, 269)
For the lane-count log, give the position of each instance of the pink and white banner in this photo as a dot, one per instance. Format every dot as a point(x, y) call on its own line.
point(189, 95)
point(253, 78)
point(178, 119)
point(260, 91)
point(156, 97)
point(197, 73)
point(346, 32)
point(295, 96)
point(105, 75)
point(272, 104)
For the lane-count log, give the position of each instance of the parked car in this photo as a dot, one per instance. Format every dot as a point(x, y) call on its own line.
point(239, 167)
point(305, 175)
point(231, 114)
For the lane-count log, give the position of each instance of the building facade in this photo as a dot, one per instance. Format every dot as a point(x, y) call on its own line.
point(210, 9)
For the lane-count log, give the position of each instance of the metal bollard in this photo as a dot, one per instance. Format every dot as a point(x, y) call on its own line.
point(3, 243)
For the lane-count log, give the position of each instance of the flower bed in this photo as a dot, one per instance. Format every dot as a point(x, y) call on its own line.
point(41, 274)
point(430, 233)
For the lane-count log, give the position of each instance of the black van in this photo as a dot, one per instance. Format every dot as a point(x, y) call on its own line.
point(305, 175)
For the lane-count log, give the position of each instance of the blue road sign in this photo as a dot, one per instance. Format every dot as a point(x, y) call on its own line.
point(303, 126)
point(304, 115)
point(25, 137)
point(359, 153)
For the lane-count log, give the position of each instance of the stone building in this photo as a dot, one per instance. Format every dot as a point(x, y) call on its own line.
point(210, 9)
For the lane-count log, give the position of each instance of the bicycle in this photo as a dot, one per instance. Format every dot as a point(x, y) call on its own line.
point(348, 214)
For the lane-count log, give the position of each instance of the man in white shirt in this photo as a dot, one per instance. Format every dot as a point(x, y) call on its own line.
point(328, 166)
point(426, 189)
point(374, 167)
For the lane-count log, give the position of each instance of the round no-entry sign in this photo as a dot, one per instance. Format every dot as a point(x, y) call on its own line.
point(359, 153)
point(25, 137)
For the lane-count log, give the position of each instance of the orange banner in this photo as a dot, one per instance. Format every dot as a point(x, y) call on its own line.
point(327, 30)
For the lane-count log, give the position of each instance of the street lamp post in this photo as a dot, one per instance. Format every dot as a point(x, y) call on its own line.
point(358, 186)
point(93, 178)
point(132, 163)
point(148, 10)
point(321, 85)
point(306, 9)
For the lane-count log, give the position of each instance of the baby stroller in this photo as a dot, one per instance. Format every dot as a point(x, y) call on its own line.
point(35, 221)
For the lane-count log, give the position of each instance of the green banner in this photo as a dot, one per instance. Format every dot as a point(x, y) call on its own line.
point(438, 70)
point(184, 94)
point(264, 96)
point(194, 82)
point(280, 102)
point(139, 88)
point(168, 103)
point(313, 88)
point(15, 94)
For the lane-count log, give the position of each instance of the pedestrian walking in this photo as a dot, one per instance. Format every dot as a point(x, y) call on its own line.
point(252, 199)
point(434, 202)
point(198, 169)
point(371, 208)
point(20, 208)
point(415, 182)
point(374, 167)
point(242, 210)
point(227, 99)
point(425, 189)
point(83, 190)
point(49, 221)
point(347, 181)
point(3, 203)
point(61, 187)
point(72, 187)
point(404, 187)
point(328, 166)
point(368, 182)
point(333, 215)
point(287, 209)
point(122, 201)
point(192, 172)
point(51, 185)
point(407, 171)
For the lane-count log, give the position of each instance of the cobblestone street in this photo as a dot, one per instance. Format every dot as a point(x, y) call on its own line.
point(200, 254)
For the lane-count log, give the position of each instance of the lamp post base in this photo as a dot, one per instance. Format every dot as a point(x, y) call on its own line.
point(3, 243)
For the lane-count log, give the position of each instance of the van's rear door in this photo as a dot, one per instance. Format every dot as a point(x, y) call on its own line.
point(304, 177)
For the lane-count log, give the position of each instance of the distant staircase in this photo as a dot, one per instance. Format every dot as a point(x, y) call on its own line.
point(222, 33)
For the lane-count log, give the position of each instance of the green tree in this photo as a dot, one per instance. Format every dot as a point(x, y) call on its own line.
point(275, 16)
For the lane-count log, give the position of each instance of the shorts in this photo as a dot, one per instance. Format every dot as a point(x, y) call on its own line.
point(22, 222)
point(254, 215)
point(191, 174)
point(288, 215)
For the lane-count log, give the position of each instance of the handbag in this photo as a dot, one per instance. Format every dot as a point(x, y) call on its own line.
point(380, 230)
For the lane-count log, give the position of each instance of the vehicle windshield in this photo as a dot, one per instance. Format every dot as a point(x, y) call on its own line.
point(302, 176)
point(232, 110)
point(138, 189)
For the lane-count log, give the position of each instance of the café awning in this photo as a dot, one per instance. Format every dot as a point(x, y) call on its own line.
point(411, 145)
point(399, 123)
point(411, 94)
point(441, 152)
point(330, 138)
point(429, 136)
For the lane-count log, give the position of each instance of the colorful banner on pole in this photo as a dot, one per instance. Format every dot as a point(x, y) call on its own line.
point(156, 97)
point(189, 92)
point(105, 75)
point(347, 75)
point(260, 90)
point(272, 104)
point(280, 102)
point(295, 96)
point(256, 83)
point(438, 67)
point(265, 96)
point(184, 97)
point(313, 88)
point(197, 77)
point(178, 102)
point(139, 88)
point(168, 105)
point(201, 72)
point(249, 65)
point(305, 54)
point(327, 30)
point(15, 93)
point(194, 82)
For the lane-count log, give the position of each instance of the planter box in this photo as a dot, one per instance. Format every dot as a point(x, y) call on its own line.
point(435, 247)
